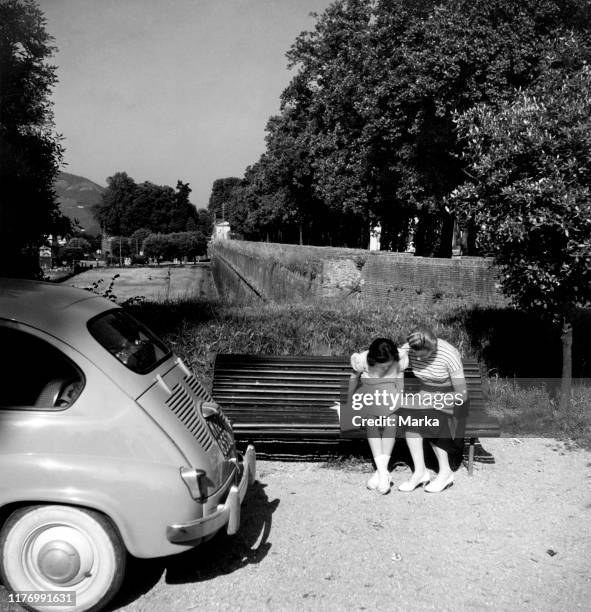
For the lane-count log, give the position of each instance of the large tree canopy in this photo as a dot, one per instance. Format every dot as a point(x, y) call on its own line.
point(530, 197)
point(30, 151)
point(366, 129)
point(127, 207)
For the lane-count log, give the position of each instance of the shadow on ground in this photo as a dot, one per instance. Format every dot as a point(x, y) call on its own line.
point(221, 555)
point(339, 453)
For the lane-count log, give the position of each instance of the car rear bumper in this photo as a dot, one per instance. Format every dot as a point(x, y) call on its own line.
point(227, 513)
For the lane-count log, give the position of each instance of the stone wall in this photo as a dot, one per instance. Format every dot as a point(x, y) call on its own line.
point(278, 272)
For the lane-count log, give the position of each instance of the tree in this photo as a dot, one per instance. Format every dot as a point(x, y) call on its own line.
point(30, 150)
point(175, 245)
point(202, 223)
point(75, 249)
point(120, 248)
point(221, 195)
point(127, 206)
point(530, 197)
point(117, 198)
point(136, 240)
point(366, 129)
point(183, 212)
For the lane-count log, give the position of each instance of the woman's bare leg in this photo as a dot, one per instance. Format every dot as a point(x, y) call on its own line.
point(375, 441)
point(445, 470)
point(415, 446)
point(388, 440)
point(376, 444)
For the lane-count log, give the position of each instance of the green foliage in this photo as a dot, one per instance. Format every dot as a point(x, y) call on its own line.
point(175, 245)
point(127, 207)
point(530, 198)
point(304, 266)
point(203, 223)
point(119, 248)
point(136, 240)
point(221, 196)
point(533, 411)
point(30, 150)
point(74, 250)
point(366, 131)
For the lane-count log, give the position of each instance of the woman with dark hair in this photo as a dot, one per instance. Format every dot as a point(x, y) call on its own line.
point(438, 367)
point(377, 370)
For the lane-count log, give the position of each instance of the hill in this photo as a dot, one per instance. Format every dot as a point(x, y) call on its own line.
point(77, 195)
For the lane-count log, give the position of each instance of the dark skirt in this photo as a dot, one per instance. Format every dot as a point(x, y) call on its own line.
point(428, 422)
point(440, 429)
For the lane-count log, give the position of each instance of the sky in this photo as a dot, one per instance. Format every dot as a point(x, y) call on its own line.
point(170, 89)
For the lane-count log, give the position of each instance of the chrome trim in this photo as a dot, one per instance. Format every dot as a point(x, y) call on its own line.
point(184, 369)
point(161, 382)
point(227, 513)
point(193, 479)
point(208, 411)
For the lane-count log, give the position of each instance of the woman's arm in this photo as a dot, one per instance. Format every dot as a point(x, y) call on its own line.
point(458, 382)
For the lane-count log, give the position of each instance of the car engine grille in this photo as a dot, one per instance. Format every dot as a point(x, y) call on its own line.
point(183, 406)
point(215, 428)
point(220, 429)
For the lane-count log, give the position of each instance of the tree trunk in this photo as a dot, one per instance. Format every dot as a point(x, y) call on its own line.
point(567, 363)
point(301, 234)
point(446, 230)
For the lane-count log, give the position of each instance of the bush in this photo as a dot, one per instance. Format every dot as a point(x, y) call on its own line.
point(139, 260)
point(175, 245)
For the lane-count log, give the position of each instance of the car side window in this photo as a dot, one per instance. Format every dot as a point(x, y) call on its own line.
point(130, 342)
point(35, 374)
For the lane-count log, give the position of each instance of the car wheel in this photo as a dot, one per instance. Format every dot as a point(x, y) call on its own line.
point(61, 548)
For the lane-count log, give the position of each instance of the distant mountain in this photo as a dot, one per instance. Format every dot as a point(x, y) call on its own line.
point(77, 195)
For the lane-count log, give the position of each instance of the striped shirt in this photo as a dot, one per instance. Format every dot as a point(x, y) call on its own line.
point(439, 368)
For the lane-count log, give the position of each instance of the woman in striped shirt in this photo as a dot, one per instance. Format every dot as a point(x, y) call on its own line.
point(438, 367)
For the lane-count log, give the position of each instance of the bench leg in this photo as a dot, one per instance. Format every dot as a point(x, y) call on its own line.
point(471, 457)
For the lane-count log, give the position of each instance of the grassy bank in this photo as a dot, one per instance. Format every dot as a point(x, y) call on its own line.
point(196, 328)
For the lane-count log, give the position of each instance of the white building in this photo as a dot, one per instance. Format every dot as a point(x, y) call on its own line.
point(221, 230)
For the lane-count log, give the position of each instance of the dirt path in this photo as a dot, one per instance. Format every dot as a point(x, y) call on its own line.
point(516, 536)
point(157, 283)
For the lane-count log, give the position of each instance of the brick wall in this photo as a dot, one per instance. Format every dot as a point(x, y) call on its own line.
point(281, 273)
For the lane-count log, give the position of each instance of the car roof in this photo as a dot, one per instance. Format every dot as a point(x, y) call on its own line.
point(48, 306)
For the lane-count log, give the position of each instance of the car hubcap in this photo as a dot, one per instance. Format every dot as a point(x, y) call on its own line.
point(59, 561)
point(61, 554)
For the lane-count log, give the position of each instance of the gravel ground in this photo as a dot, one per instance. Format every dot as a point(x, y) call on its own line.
point(516, 536)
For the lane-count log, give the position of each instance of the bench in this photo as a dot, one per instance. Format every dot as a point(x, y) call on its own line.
point(287, 398)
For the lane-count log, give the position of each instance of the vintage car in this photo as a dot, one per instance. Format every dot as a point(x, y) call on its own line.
point(108, 445)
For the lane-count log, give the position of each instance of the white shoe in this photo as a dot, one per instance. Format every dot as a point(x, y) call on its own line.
point(437, 488)
point(408, 486)
point(373, 482)
point(383, 482)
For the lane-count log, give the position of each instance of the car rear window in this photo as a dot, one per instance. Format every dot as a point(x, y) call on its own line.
point(132, 343)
